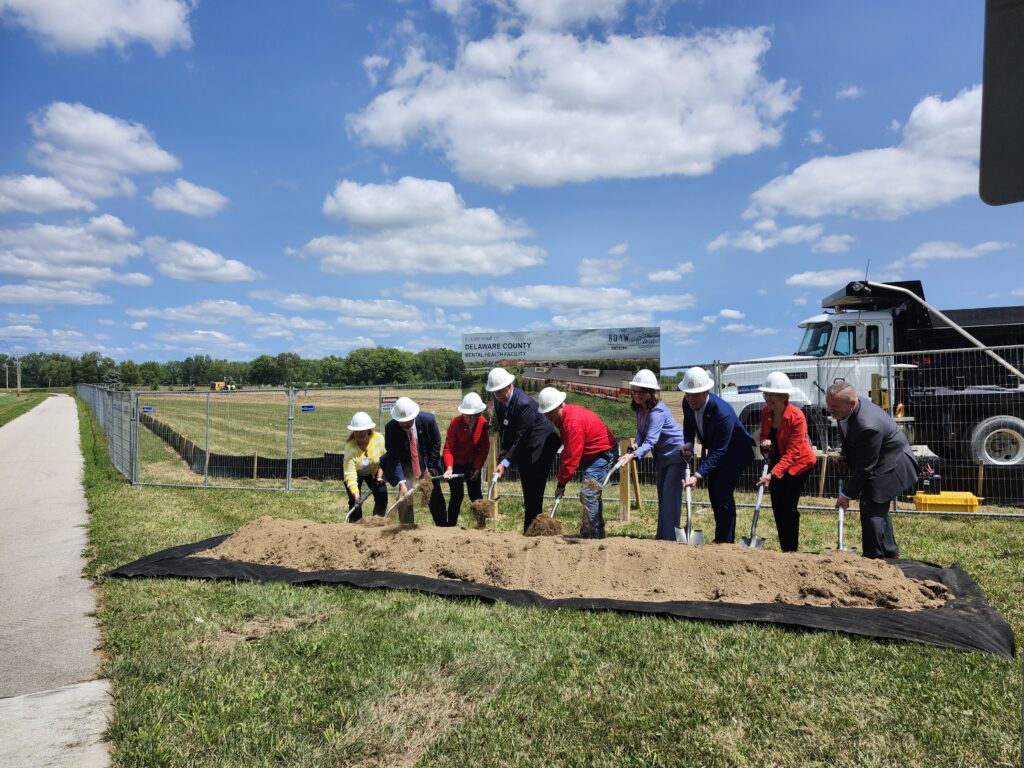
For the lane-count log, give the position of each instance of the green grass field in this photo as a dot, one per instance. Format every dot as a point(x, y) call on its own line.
point(12, 406)
point(236, 674)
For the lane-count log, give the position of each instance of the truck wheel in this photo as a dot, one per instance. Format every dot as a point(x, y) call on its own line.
point(999, 441)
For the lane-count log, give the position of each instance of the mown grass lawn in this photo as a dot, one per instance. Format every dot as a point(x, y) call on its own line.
point(235, 674)
point(12, 406)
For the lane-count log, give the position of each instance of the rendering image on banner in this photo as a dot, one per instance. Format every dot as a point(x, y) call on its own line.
point(597, 361)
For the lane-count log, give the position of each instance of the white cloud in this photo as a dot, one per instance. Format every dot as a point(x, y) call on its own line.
point(929, 252)
point(141, 325)
point(444, 296)
point(200, 340)
point(1017, 292)
point(21, 332)
point(800, 301)
point(189, 198)
point(35, 194)
point(383, 326)
point(103, 241)
point(834, 244)
point(850, 92)
point(750, 240)
point(934, 164)
point(814, 136)
point(373, 65)
point(673, 275)
point(826, 278)
point(182, 260)
point(93, 153)
point(380, 310)
point(618, 250)
point(47, 293)
point(20, 318)
point(599, 271)
point(86, 25)
point(418, 225)
point(545, 108)
point(550, 14)
point(571, 298)
point(731, 314)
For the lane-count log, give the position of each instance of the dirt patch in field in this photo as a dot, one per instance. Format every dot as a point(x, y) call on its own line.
point(563, 566)
point(544, 525)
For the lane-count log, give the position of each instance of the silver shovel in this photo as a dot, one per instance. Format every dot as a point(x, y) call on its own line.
point(490, 488)
point(839, 543)
point(399, 500)
point(364, 497)
point(688, 535)
point(753, 541)
point(607, 478)
point(554, 507)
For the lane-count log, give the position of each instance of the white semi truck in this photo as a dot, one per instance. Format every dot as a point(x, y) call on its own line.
point(966, 405)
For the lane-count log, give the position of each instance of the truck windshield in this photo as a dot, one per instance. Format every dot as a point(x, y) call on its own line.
point(815, 340)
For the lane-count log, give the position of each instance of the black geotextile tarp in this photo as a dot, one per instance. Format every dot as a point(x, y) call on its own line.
point(968, 622)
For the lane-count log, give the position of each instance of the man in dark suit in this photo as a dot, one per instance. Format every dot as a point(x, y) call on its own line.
point(527, 439)
point(881, 464)
point(412, 445)
point(727, 448)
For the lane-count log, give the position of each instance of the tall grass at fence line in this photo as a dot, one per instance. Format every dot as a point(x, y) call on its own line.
point(12, 406)
point(236, 674)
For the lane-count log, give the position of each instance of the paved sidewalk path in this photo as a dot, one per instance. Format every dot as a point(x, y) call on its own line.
point(46, 635)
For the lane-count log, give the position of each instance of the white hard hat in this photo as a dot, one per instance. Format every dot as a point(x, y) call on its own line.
point(549, 399)
point(472, 404)
point(499, 378)
point(404, 409)
point(360, 420)
point(645, 378)
point(696, 380)
point(777, 383)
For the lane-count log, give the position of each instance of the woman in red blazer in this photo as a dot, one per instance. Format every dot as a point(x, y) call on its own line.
point(465, 449)
point(790, 456)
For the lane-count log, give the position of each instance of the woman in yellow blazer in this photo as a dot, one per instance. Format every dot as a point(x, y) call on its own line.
point(363, 450)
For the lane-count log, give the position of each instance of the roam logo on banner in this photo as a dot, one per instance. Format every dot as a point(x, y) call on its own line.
point(553, 347)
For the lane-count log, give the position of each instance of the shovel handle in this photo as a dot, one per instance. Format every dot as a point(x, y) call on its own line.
point(399, 500)
point(554, 508)
point(757, 504)
point(439, 478)
point(359, 503)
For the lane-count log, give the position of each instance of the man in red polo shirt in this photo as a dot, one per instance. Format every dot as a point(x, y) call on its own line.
point(588, 444)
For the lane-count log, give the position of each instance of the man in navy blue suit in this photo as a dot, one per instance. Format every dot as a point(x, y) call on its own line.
point(727, 448)
point(527, 440)
point(413, 446)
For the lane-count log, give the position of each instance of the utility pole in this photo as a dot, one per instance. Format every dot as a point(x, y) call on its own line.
point(7, 378)
point(17, 367)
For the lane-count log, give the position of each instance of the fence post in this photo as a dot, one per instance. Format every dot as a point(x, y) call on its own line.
point(134, 428)
point(291, 423)
point(624, 483)
point(206, 458)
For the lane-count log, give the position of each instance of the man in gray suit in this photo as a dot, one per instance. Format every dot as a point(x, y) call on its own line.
point(882, 466)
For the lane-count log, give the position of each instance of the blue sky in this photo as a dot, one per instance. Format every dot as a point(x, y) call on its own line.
point(237, 179)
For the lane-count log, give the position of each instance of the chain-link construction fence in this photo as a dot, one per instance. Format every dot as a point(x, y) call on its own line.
point(962, 411)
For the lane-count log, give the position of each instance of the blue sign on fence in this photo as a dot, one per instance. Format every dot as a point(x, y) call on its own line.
point(308, 408)
point(148, 409)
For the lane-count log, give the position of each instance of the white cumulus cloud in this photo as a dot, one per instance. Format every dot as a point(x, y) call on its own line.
point(599, 271)
point(571, 298)
point(36, 194)
point(673, 275)
point(189, 198)
point(939, 250)
point(418, 225)
point(826, 278)
point(182, 260)
point(94, 153)
point(934, 163)
point(86, 25)
point(546, 108)
point(769, 237)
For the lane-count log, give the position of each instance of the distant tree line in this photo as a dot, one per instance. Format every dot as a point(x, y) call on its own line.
point(368, 365)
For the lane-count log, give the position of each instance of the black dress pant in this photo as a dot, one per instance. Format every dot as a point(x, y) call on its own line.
point(785, 492)
point(533, 476)
point(456, 492)
point(877, 534)
point(380, 497)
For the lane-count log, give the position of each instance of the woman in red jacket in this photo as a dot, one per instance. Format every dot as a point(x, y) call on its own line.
point(784, 441)
point(465, 450)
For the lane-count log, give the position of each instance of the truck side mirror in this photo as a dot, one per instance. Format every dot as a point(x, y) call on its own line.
point(860, 343)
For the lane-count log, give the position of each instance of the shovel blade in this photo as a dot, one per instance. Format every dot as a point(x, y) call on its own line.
point(694, 537)
point(752, 542)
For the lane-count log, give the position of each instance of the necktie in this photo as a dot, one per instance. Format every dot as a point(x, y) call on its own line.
point(414, 453)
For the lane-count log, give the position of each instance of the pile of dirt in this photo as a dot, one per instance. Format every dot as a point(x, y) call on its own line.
point(482, 511)
point(544, 525)
point(559, 566)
